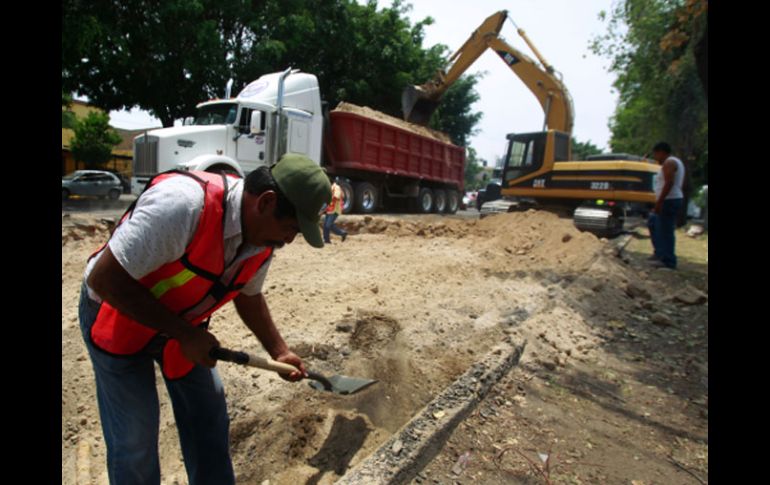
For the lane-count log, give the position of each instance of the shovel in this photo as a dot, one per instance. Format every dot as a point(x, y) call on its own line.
point(337, 384)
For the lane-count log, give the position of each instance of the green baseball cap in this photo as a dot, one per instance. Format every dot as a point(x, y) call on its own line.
point(307, 187)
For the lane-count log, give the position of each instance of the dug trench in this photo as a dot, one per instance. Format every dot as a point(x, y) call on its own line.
point(411, 302)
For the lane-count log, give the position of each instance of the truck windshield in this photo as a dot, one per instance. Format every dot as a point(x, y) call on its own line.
point(216, 114)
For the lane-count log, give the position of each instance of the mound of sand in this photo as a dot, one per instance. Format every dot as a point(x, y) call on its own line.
point(391, 120)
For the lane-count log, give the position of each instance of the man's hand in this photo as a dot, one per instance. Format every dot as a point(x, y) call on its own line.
point(289, 357)
point(196, 345)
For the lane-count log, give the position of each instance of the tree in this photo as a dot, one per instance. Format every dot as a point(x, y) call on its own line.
point(453, 115)
point(580, 151)
point(94, 140)
point(68, 118)
point(165, 57)
point(661, 94)
point(473, 167)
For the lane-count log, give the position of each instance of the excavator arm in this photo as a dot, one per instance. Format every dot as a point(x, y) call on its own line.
point(419, 102)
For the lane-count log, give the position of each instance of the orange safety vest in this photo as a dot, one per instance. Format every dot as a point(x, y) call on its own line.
point(192, 286)
point(336, 203)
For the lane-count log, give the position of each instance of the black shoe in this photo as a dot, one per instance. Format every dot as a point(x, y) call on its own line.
point(327, 242)
point(344, 236)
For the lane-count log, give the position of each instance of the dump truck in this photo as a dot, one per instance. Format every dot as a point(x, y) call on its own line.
point(382, 162)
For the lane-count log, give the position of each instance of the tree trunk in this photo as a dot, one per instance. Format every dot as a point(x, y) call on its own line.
point(167, 121)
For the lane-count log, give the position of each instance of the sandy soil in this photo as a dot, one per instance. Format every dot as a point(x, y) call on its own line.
point(380, 116)
point(409, 301)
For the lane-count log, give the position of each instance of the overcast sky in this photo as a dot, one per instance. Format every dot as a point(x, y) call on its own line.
point(560, 29)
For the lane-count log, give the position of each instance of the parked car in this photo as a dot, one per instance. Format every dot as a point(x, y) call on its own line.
point(490, 193)
point(97, 183)
point(123, 180)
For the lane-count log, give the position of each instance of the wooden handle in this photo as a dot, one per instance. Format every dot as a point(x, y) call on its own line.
point(252, 360)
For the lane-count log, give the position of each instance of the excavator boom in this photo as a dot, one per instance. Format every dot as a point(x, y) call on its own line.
point(419, 102)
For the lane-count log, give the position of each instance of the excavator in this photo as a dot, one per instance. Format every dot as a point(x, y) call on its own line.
point(538, 170)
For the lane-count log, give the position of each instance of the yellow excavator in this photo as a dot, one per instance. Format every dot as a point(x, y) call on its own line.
point(537, 169)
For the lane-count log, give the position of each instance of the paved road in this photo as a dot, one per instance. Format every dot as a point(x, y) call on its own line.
point(114, 208)
point(102, 208)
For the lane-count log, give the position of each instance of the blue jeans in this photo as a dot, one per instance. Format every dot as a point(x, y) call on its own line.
point(662, 227)
point(129, 412)
point(330, 226)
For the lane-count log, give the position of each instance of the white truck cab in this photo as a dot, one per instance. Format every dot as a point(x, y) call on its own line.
point(276, 114)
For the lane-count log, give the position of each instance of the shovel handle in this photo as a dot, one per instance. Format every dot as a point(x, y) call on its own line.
point(251, 360)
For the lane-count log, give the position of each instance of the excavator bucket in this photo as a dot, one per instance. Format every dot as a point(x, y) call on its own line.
point(417, 105)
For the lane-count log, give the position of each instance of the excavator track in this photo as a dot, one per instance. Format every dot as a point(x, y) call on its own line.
point(602, 221)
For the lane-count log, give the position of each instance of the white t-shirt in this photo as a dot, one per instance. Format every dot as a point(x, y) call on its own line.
point(162, 225)
point(676, 188)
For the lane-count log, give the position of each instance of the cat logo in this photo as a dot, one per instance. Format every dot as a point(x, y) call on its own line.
point(509, 58)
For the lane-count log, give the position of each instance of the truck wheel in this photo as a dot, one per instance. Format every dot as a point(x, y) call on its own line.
point(347, 189)
point(366, 198)
point(452, 201)
point(425, 201)
point(439, 202)
point(113, 194)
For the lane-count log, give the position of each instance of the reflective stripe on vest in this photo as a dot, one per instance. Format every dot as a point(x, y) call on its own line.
point(191, 286)
point(161, 287)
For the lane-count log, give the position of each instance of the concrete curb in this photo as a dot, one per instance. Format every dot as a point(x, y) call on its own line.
point(410, 449)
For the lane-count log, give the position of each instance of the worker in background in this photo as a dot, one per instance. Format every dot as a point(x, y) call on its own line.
point(668, 192)
point(333, 211)
point(192, 242)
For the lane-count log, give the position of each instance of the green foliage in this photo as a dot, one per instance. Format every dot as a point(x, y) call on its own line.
point(453, 115)
point(582, 150)
point(166, 57)
point(94, 140)
point(473, 167)
point(651, 45)
point(68, 118)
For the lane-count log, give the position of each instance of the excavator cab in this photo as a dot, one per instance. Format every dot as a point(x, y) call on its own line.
point(525, 155)
point(528, 152)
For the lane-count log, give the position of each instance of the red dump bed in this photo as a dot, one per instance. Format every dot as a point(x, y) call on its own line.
point(360, 143)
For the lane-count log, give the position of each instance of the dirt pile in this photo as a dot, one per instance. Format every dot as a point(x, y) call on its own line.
point(405, 125)
point(409, 300)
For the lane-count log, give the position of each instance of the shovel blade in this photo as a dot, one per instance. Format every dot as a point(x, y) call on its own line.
point(343, 385)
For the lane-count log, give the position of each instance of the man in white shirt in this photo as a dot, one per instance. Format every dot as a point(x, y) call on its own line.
point(192, 242)
point(668, 184)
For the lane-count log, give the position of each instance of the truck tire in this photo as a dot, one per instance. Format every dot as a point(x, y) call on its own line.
point(347, 189)
point(366, 198)
point(452, 201)
point(425, 201)
point(439, 201)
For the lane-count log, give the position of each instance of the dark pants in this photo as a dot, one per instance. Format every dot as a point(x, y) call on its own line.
point(330, 226)
point(129, 412)
point(662, 227)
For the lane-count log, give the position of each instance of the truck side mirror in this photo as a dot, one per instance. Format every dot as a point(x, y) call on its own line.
point(256, 122)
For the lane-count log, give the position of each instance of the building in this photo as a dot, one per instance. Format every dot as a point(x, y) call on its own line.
point(122, 154)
